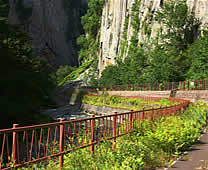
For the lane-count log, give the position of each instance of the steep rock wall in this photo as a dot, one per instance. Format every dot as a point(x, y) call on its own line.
point(53, 26)
point(117, 13)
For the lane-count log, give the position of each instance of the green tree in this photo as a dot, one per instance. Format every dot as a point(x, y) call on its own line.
point(62, 72)
point(25, 81)
point(180, 25)
point(110, 76)
point(163, 65)
point(91, 21)
point(198, 55)
point(166, 60)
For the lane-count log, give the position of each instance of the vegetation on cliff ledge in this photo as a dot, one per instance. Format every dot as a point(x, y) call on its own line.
point(88, 43)
point(175, 54)
point(91, 21)
point(178, 52)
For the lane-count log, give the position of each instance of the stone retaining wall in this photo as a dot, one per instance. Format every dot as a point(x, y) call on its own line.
point(72, 96)
point(193, 95)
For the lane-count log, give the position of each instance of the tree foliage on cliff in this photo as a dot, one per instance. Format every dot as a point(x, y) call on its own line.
point(172, 56)
point(179, 22)
point(198, 57)
point(25, 80)
point(88, 42)
point(91, 21)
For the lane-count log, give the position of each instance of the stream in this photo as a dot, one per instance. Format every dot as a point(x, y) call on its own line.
point(68, 112)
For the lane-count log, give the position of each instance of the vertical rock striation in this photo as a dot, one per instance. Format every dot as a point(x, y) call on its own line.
point(115, 14)
point(53, 26)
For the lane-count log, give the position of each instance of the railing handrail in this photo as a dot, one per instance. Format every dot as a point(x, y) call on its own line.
point(88, 129)
point(163, 86)
point(17, 129)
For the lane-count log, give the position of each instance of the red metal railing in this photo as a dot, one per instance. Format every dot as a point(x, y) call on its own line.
point(21, 146)
point(182, 85)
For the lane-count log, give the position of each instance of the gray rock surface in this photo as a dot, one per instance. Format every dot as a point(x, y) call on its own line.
point(113, 18)
point(53, 26)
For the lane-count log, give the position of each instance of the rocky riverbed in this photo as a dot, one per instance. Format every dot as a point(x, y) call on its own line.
point(68, 112)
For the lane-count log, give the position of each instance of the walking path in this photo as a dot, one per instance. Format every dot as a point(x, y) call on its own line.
point(196, 158)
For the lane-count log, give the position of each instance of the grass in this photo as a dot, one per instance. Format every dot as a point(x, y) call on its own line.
point(152, 145)
point(124, 103)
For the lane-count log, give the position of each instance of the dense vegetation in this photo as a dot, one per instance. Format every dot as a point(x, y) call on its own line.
point(124, 102)
point(25, 78)
point(173, 55)
point(88, 44)
point(91, 21)
point(153, 144)
point(178, 51)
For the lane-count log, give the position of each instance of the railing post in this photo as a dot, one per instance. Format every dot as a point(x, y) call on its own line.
point(188, 84)
point(130, 121)
point(207, 84)
point(152, 114)
point(114, 131)
point(92, 122)
point(142, 116)
point(200, 85)
point(196, 84)
point(184, 85)
point(160, 113)
point(15, 150)
point(61, 143)
point(204, 84)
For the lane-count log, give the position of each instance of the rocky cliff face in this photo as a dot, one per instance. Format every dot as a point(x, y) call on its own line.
point(116, 21)
point(53, 26)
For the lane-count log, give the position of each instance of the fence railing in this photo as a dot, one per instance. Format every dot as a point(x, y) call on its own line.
point(182, 85)
point(21, 146)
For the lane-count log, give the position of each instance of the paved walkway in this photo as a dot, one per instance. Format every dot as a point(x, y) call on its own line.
point(196, 158)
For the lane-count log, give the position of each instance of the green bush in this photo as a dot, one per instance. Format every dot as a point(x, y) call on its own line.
point(198, 56)
point(123, 102)
point(153, 144)
point(25, 79)
point(75, 74)
point(62, 72)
